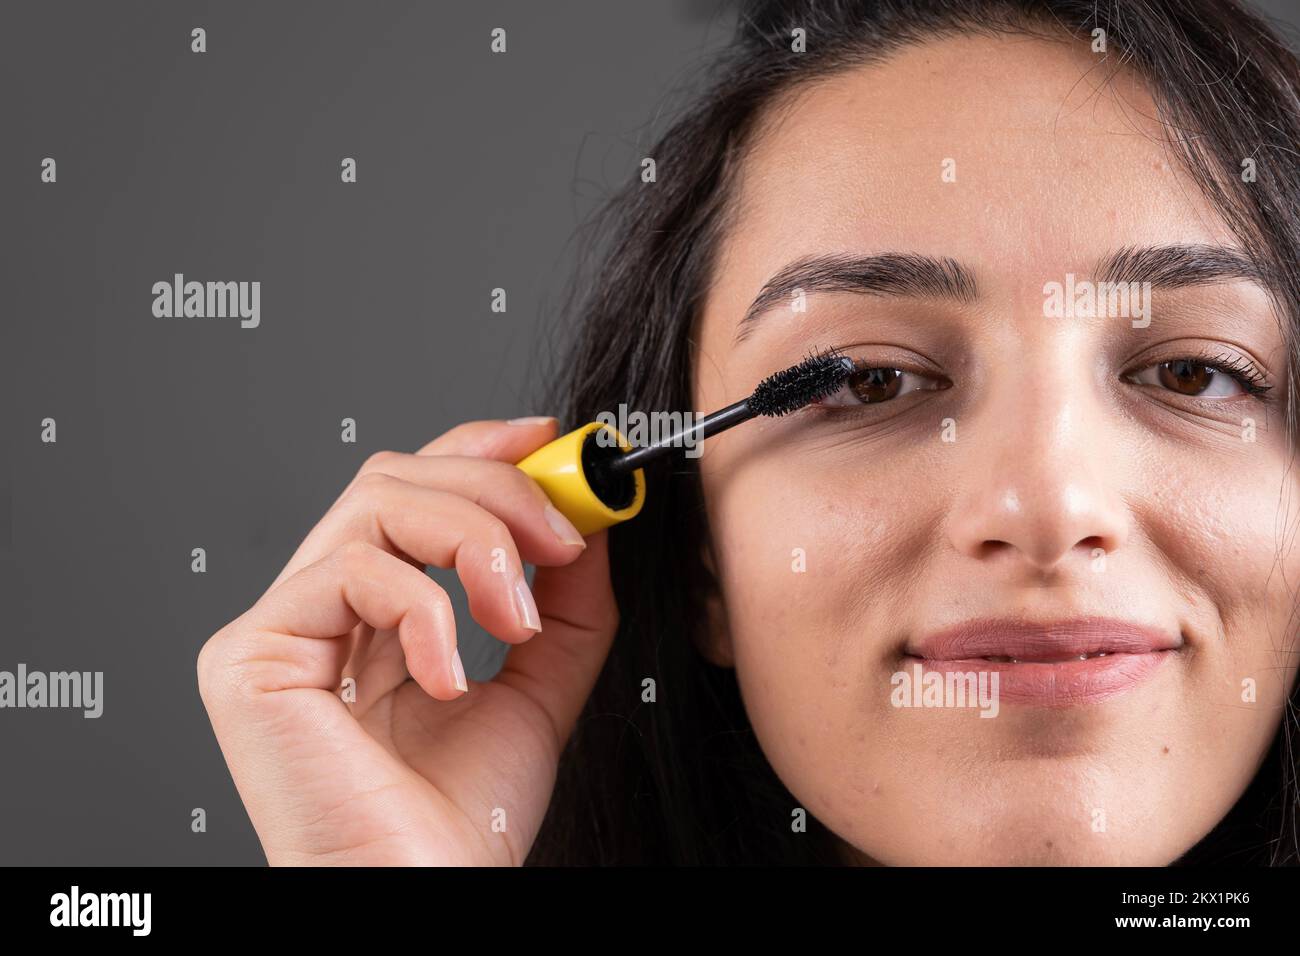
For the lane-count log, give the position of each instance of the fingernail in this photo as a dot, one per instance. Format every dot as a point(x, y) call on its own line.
point(526, 607)
point(531, 420)
point(458, 671)
point(563, 528)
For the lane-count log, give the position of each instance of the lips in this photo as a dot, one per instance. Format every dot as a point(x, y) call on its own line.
point(1055, 663)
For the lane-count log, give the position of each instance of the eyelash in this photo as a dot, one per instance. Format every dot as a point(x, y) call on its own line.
point(860, 366)
point(1244, 372)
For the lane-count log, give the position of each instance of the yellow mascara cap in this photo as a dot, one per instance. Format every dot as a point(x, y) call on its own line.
point(568, 471)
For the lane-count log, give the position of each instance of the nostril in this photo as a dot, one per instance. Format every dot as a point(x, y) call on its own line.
point(990, 547)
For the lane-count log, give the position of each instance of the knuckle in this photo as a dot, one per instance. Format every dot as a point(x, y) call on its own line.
point(208, 666)
point(363, 494)
point(221, 671)
point(431, 611)
point(520, 484)
point(378, 462)
point(354, 556)
point(438, 601)
point(495, 533)
point(372, 483)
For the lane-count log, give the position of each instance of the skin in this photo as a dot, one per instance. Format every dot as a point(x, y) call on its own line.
point(413, 771)
point(1055, 455)
point(903, 533)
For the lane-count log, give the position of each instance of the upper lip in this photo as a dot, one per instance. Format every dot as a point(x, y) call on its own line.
point(1042, 640)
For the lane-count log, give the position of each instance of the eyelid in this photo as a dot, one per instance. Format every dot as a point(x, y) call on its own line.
point(1249, 374)
point(1209, 352)
point(883, 355)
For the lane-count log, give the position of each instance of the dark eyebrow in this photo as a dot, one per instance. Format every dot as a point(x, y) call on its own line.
point(905, 274)
point(1179, 265)
point(887, 274)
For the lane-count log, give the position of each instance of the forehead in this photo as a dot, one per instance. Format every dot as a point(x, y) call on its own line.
point(1020, 156)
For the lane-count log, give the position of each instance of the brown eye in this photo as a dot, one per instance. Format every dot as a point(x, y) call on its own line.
point(1197, 378)
point(1186, 377)
point(875, 384)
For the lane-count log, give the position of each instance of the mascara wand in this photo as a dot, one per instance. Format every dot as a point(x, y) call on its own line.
point(597, 483)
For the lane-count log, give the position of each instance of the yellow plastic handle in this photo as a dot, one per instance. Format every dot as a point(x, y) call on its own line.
point(557, 467)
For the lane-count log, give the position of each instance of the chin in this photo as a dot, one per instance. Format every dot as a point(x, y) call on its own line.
point(1036, 846)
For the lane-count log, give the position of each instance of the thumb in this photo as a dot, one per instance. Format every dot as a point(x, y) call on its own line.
point(557, 667)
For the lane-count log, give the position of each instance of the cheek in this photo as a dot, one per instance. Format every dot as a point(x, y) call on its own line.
point(1227, 534)
point(1224, 533)
point(805, 561)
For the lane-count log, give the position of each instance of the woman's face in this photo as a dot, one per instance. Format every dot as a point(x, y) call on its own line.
point(1035, 464)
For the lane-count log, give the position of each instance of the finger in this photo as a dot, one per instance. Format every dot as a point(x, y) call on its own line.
point(543, 534)
point(509, 440)
point(579, 618)
point(446, 530)
point(296, 636)
point(379, 672)
point(376, 667)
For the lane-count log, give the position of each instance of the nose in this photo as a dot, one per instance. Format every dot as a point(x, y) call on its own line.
point(1041, 493)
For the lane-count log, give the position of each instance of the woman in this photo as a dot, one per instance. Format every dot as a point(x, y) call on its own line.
point(1084, 497)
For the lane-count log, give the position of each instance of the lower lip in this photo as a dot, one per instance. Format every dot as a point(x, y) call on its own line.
point(1063, 683)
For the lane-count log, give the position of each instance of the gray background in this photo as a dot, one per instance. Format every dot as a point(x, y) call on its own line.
point(474, 171)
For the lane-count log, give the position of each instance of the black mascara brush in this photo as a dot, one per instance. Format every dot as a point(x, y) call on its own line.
point(598, 483)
